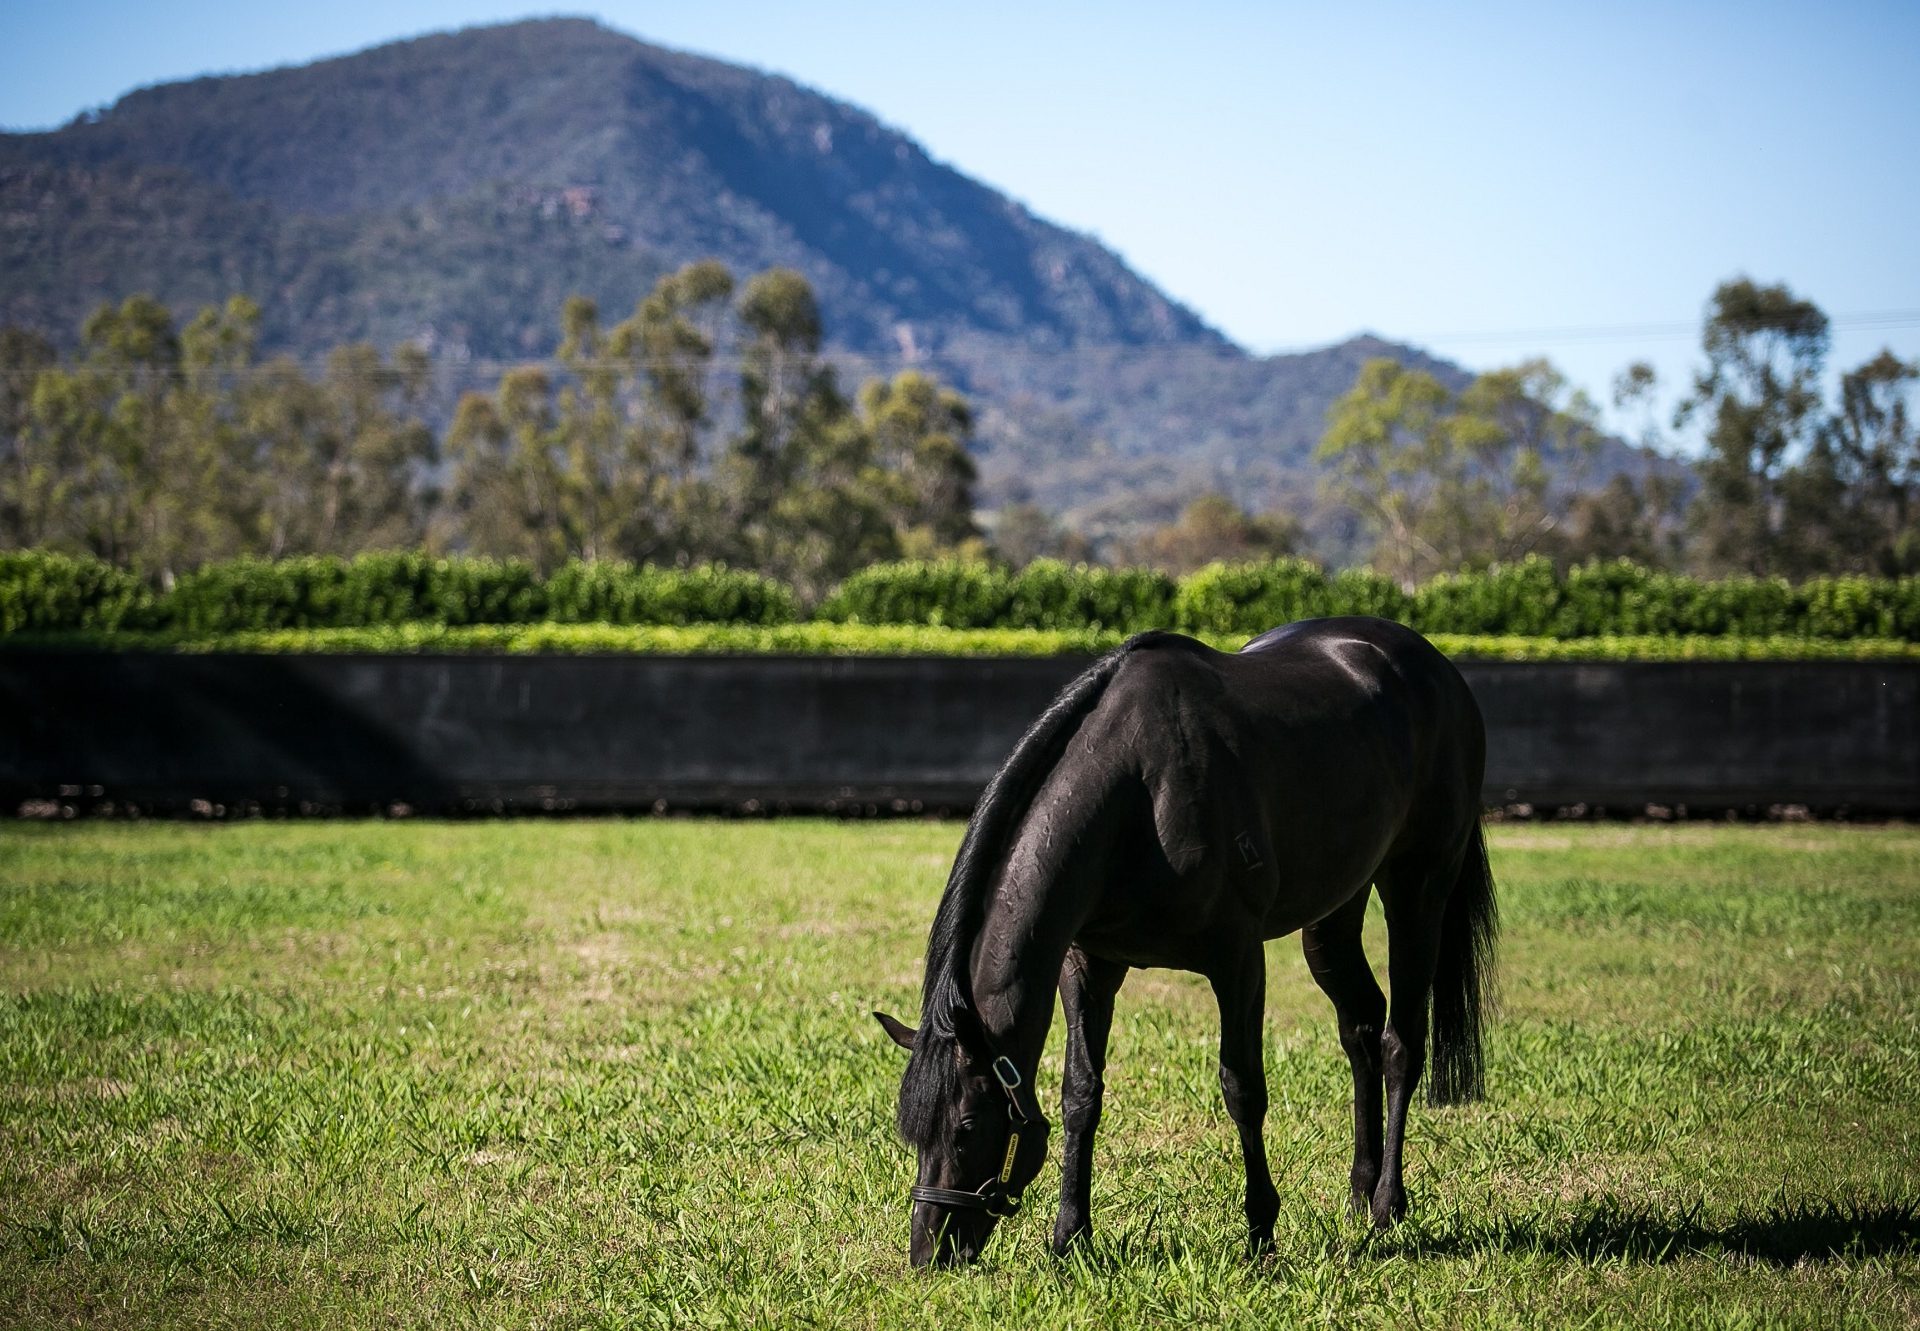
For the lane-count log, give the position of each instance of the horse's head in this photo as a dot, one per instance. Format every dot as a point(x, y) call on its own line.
point(980, 1136)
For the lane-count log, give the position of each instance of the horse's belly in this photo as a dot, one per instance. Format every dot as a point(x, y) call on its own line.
point(1319, 871)
point(1310, 902)
point(1191, 921)
point(1182, 922)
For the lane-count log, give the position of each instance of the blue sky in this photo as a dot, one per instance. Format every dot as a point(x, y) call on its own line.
point(1491, 182)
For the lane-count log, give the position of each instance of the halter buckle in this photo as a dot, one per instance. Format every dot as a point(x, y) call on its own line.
point(1010, 1081)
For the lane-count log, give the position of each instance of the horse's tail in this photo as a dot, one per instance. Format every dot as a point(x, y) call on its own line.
point(1462, 983)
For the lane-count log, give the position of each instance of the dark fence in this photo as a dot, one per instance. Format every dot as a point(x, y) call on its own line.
point(434, 733)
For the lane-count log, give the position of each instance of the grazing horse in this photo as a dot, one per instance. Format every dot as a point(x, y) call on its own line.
point(1177, 806)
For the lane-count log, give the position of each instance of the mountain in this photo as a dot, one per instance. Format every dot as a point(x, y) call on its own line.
point(454, 189)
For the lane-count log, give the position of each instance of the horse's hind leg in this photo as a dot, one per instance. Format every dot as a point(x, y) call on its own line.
point(1415, 903)
point(1339, 966)
point(1240, 984)
point(1087, 989)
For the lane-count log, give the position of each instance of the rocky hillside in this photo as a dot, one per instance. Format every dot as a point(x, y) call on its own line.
point(454, 189)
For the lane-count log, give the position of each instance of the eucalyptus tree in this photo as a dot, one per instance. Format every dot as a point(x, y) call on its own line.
point(919, 431)
point(1873, 445)
point(1759, 399)
point(29, 485)
point(505, 494)
point(1447, 480)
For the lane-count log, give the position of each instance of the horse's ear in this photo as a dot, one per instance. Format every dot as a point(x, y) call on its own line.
point(901, 1035)
point(972, 1033)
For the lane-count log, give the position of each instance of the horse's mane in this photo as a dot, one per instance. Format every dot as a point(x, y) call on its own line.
point(933, 1072)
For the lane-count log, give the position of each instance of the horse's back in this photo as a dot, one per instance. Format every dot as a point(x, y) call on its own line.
point(1353, 638)
point(1352, 675)
point(1295, 765)
point(1385, 673)
point(1378, 658)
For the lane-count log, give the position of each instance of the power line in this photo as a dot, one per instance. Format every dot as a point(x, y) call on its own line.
point(1871, 321)
point(1007, 355)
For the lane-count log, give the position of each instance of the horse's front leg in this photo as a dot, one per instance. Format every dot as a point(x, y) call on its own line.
point(1241, 987)
point(1087, 989)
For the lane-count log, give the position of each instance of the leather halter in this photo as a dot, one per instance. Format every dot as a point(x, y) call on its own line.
point(998, 1196)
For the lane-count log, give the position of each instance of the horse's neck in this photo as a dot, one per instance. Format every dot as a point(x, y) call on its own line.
point(1041, 898)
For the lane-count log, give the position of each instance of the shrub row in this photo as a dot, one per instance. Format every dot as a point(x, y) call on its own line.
point(1046, 594)
point(45, 593)
point(824, 639)
point(1529, 599)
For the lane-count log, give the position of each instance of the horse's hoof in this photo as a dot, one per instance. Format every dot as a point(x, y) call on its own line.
point(1260, 1234)
point(1389, 1207)
point(1065, 1240)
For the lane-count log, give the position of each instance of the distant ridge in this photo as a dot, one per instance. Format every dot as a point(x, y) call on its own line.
point(453, 189)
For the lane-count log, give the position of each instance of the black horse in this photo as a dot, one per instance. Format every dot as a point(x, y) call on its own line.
point(1177, 806)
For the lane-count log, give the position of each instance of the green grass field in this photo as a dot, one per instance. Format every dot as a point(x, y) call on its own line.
point(621, 1073)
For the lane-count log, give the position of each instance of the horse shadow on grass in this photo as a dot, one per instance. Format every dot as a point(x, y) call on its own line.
point(1785, 1232)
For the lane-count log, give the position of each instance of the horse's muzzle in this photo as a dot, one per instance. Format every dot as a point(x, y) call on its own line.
point(945, 1238)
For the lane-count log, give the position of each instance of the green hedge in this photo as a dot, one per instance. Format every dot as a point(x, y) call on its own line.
point(40, 592)
point(318, 592)
point(1252, 598)
point(616, 592)
point(1047, 594)
point(1529, 599)
point(44, 593)
point(946, 594)
point(52, 592)
point(823, 639)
